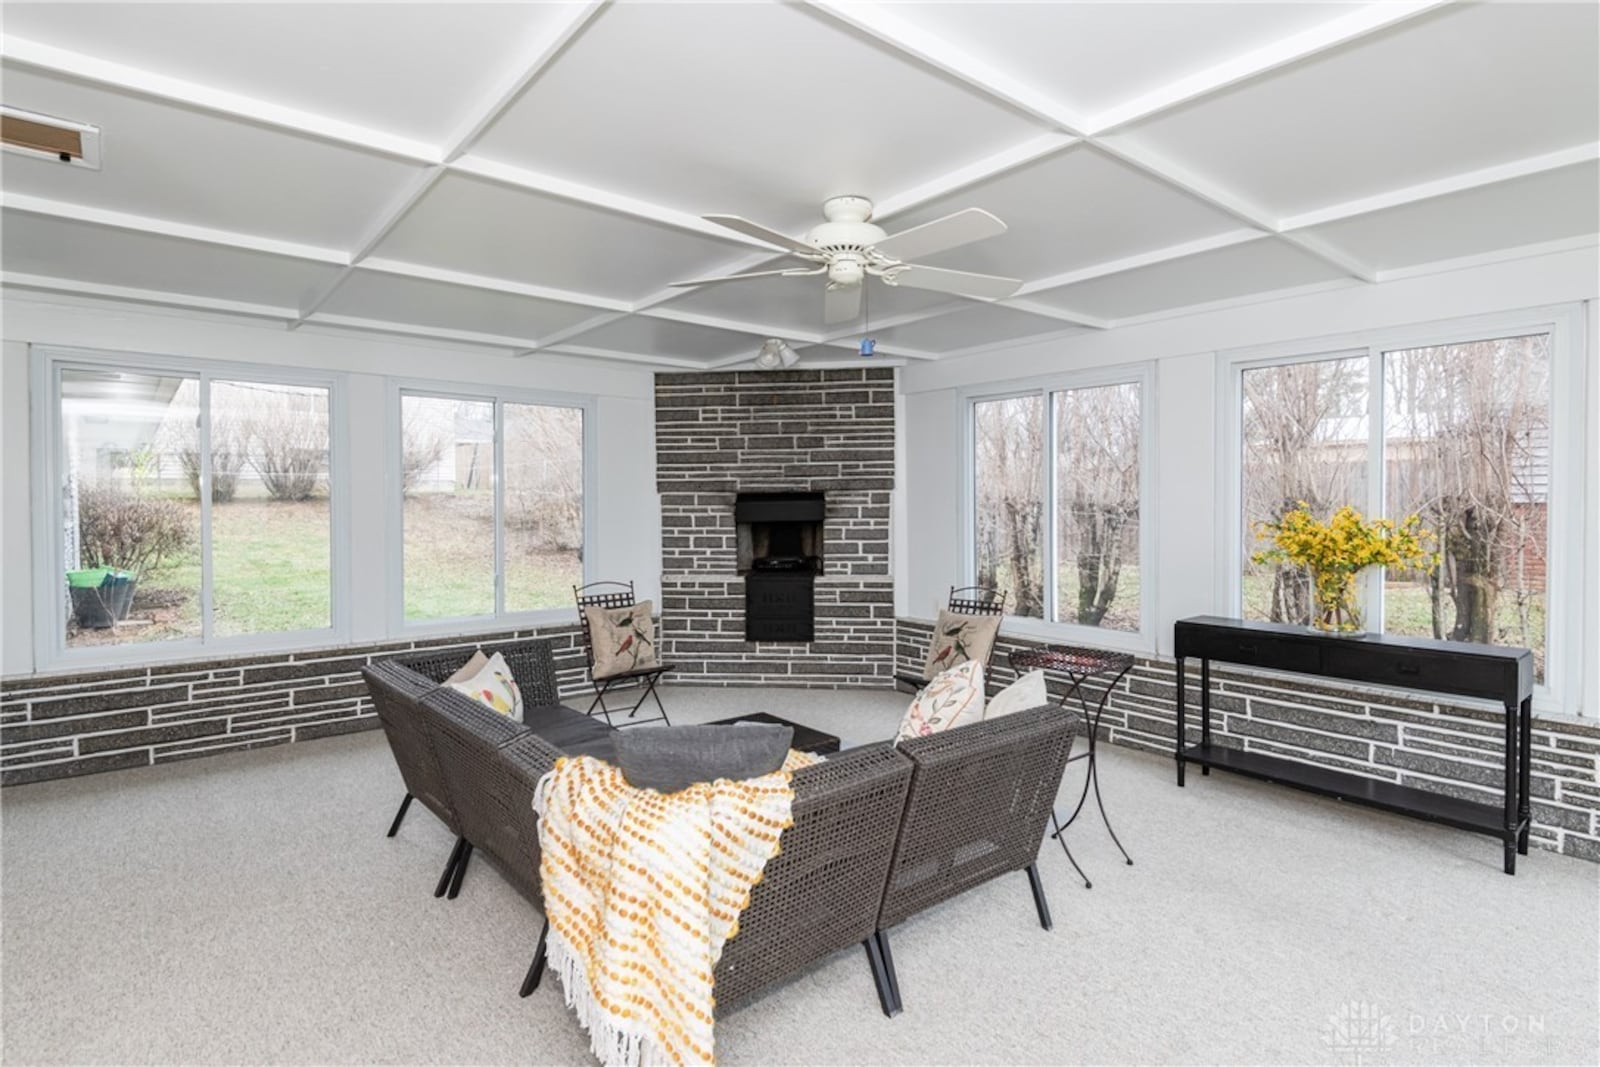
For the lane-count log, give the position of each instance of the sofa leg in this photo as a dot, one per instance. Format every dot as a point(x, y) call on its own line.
point(450, 867)
point(461, 870)
point(888, 965)
point(400, 816)
point(1038, 896)
point(536, 968)
point(880, 976)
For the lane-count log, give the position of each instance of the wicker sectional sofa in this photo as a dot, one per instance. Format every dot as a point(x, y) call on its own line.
point(880, 833)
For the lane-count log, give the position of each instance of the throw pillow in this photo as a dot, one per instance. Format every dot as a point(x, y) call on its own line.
point(953, 699)
point(470, 668)
point(670, 758)
point(958, 638)
point(493, 687)
point(622, 639)
point(1024, 693)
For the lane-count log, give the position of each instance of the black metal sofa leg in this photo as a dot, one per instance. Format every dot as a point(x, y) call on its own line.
point(400, 816)
point(461, 871)
point(450, 867)
point(536, 968)
point(1038, 896)
point(882, 974)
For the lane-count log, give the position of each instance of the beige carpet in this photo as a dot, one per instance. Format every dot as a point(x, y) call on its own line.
point(248, 909)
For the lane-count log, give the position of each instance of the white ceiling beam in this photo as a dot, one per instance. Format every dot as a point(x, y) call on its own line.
point(1503, 255)
point(1292, 49)
point(52, 60)
point(129, 294)
point(549, 44)
point(1143, 259)
point(884, 349)
point(438, 333)
point(146, 224)
point(463, 280)
point(881, 23)
point(1456, 183)
point(1045, 311)
point(605, 199)
point(622, 357)
point(982, 170)
point(1235, 301)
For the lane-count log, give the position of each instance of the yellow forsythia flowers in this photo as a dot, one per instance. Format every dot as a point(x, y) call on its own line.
point(1337, 550)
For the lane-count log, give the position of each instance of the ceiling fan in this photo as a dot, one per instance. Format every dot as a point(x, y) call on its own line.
point(849, 248)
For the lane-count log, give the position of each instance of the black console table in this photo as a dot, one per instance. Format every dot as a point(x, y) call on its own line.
point(1504, 675)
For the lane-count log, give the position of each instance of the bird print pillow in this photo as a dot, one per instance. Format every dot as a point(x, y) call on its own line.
point(492, 686)
point(959, 638)
point(623, 639)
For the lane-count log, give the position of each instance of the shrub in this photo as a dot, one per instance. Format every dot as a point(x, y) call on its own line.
point(420, 452)
point(290, 444)
point(118, 528)
point(227, 460)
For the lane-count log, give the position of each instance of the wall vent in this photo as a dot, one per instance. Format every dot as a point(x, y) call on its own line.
point(74, 144)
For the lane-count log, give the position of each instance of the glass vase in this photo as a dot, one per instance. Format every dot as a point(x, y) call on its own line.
point(1337, 607)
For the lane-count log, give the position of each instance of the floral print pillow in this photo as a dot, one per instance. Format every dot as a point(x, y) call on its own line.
point(623, 639)
point(954, 698)
point(959, 638)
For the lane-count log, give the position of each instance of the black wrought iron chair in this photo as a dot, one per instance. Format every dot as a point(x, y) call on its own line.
point(965, 600)
point(608, 595)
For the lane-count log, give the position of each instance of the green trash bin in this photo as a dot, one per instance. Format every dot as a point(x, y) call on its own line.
point(101, 596)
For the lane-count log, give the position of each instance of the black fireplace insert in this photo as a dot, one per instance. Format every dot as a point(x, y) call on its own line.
point(780, 554)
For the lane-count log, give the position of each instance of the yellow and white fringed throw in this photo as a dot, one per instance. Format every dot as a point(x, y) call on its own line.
point(642, 890)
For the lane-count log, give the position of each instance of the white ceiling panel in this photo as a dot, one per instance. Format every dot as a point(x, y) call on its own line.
point(412, 69)
point(1092, 56)
point(1241, 270)
point(1467, 87)
point(760, 109)
point(675, 340)
point(1541, 207)
point(32, 244)
point(481, 227)
point(167, 161)
point(419, 302)
point(1070, 210)
point(979, 325)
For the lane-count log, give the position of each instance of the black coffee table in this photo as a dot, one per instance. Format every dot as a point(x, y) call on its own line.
point(805, 738)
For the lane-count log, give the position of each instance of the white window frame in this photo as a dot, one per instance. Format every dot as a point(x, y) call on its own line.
point(500, 619)
point(1141, 374)
point(1559, 692)
point(50, 620)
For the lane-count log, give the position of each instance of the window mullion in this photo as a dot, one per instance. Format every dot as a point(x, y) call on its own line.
point(1377, 478)
point(204, 444)
point(1047, 551)
point(499, 508)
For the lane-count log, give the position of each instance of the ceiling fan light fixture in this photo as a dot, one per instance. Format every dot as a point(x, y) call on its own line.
point(776, 354)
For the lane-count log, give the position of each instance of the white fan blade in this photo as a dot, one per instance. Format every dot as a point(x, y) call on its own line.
point(964, 227)
point(788, 272)
point(841, 303)
point(960, 282)
point(761, 233)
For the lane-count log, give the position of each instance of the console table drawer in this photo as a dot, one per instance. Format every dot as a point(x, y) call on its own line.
point(1255, 650)
point(1420, 670)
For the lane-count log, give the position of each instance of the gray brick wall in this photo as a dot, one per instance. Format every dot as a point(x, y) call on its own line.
point(828, 431)
point(60, 726)
point(1392, 735)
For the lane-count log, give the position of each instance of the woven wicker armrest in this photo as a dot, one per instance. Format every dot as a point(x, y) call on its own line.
point(1033, 726)
point(529, 757)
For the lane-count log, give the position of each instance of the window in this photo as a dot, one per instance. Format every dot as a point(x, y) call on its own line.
point(492, 505)
point(1459, 433)
point(185, 506)
point(1058, 479)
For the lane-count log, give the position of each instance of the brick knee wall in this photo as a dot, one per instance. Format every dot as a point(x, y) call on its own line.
point(1455, 749)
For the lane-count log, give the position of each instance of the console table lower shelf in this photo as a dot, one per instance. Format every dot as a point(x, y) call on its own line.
point(1369, 792)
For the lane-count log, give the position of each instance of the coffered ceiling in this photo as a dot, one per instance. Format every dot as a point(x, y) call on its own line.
point(531, 177)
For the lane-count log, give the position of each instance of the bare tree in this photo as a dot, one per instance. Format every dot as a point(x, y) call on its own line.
point(1468, 449)
point(1010, 501)
point(544, 474)
point(1097, 489)
point(421, 449)
point(1304, 427)
point(288, 432)
point(229, 451)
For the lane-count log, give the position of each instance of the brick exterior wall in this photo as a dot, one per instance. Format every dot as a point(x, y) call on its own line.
point(1388, 734)
point(827, 431)
point(60, 726)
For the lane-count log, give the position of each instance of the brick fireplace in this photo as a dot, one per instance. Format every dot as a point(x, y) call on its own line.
point(768, 436)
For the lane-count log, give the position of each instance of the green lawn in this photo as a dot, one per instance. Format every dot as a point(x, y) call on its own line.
point(271, 571)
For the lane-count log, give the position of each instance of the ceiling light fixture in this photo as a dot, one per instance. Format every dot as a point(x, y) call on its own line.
point(775, 354)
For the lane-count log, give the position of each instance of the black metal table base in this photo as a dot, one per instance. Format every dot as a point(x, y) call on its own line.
point(1079, 666)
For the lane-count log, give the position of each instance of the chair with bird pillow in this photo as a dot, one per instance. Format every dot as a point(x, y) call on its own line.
point(620, 646)
point(967, 629)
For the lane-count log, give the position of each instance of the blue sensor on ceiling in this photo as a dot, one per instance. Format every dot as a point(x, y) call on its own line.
point(868, 346)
